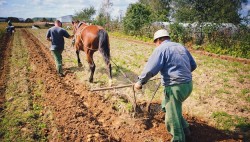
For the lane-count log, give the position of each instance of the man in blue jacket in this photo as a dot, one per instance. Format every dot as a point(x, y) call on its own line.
point(56, 35)
point(9, 23)
point(175, 64)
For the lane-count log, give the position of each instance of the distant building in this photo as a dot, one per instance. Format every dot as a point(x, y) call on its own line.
point(3, 19)
point(65, 19)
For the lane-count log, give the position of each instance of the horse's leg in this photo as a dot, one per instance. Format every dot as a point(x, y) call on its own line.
point(78, 58)
point(110, 73)
point(91, 65)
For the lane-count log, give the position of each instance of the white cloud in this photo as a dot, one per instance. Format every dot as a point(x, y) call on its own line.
point(53, 8)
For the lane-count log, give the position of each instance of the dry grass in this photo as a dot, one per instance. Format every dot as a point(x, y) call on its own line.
point(2, 29)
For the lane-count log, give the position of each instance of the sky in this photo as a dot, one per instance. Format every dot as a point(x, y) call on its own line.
point(58, 8)
point(245, 8)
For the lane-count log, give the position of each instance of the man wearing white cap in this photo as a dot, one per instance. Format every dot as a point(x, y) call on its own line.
point(175, 64)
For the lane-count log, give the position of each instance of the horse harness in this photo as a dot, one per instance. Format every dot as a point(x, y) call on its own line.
point(79, 33)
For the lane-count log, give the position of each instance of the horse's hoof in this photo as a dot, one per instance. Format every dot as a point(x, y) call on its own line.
point(79, 64)
point(91, 80)
point(110, 82)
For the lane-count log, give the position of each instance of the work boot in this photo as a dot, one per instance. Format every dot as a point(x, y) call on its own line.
point(61, 75)
point(187, 133)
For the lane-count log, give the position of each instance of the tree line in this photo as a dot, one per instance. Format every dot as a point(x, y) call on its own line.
point(139, 17)
point(30, 20)
point(144, 12)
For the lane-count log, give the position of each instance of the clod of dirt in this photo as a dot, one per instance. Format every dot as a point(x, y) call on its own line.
point(10, 99)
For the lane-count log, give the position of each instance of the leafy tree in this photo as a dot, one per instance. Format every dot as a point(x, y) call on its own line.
point(137, 16)
point(105, 9)
point(44, 20)
point(183, 11)
point(13, 19)
point(28, 20)
point(179, 33)
point(101, 20)
point(51, 19)
point(159, 8)
point(85, 14)
point(217, 11)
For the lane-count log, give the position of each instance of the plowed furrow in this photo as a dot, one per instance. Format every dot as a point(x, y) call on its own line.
point(70, 115)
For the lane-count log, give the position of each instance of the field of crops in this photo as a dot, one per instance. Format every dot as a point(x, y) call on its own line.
point(40, 106)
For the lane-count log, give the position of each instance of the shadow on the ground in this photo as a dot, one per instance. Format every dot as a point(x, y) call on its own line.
point(200, 130)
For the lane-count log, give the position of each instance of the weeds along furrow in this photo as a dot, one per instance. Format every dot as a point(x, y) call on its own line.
point(5, 54)
point(20, 120)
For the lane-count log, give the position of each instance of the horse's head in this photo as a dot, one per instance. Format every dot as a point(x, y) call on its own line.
point(75, 26)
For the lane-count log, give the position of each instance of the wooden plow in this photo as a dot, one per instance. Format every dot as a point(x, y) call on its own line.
point(135, 106)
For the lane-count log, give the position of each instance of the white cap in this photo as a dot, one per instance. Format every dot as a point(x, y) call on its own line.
point(160, 33)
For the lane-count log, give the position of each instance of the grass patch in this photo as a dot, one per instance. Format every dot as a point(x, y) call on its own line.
point(122, 35)
point(245, 94)
point(2, 29)
point(123, 106)
point(222, 90)
point(240, 79)
point(224, 121)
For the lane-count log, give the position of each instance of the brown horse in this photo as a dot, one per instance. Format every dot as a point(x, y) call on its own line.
point(90, 39)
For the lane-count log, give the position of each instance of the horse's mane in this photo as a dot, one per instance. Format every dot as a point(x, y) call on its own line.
point(79, 25)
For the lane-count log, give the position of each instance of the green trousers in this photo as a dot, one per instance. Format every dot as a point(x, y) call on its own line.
point(58, 59)
point(172, 105)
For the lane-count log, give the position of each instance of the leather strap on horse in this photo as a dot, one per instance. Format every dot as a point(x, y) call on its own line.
point(79, 34)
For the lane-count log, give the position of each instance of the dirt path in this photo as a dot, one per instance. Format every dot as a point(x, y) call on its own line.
point(79, 115)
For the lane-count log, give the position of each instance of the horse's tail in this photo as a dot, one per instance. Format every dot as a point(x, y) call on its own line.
point(104, 45)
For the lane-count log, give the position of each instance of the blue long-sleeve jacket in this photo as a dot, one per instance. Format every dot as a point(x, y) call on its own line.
point(173, 61)
point(57, 35)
